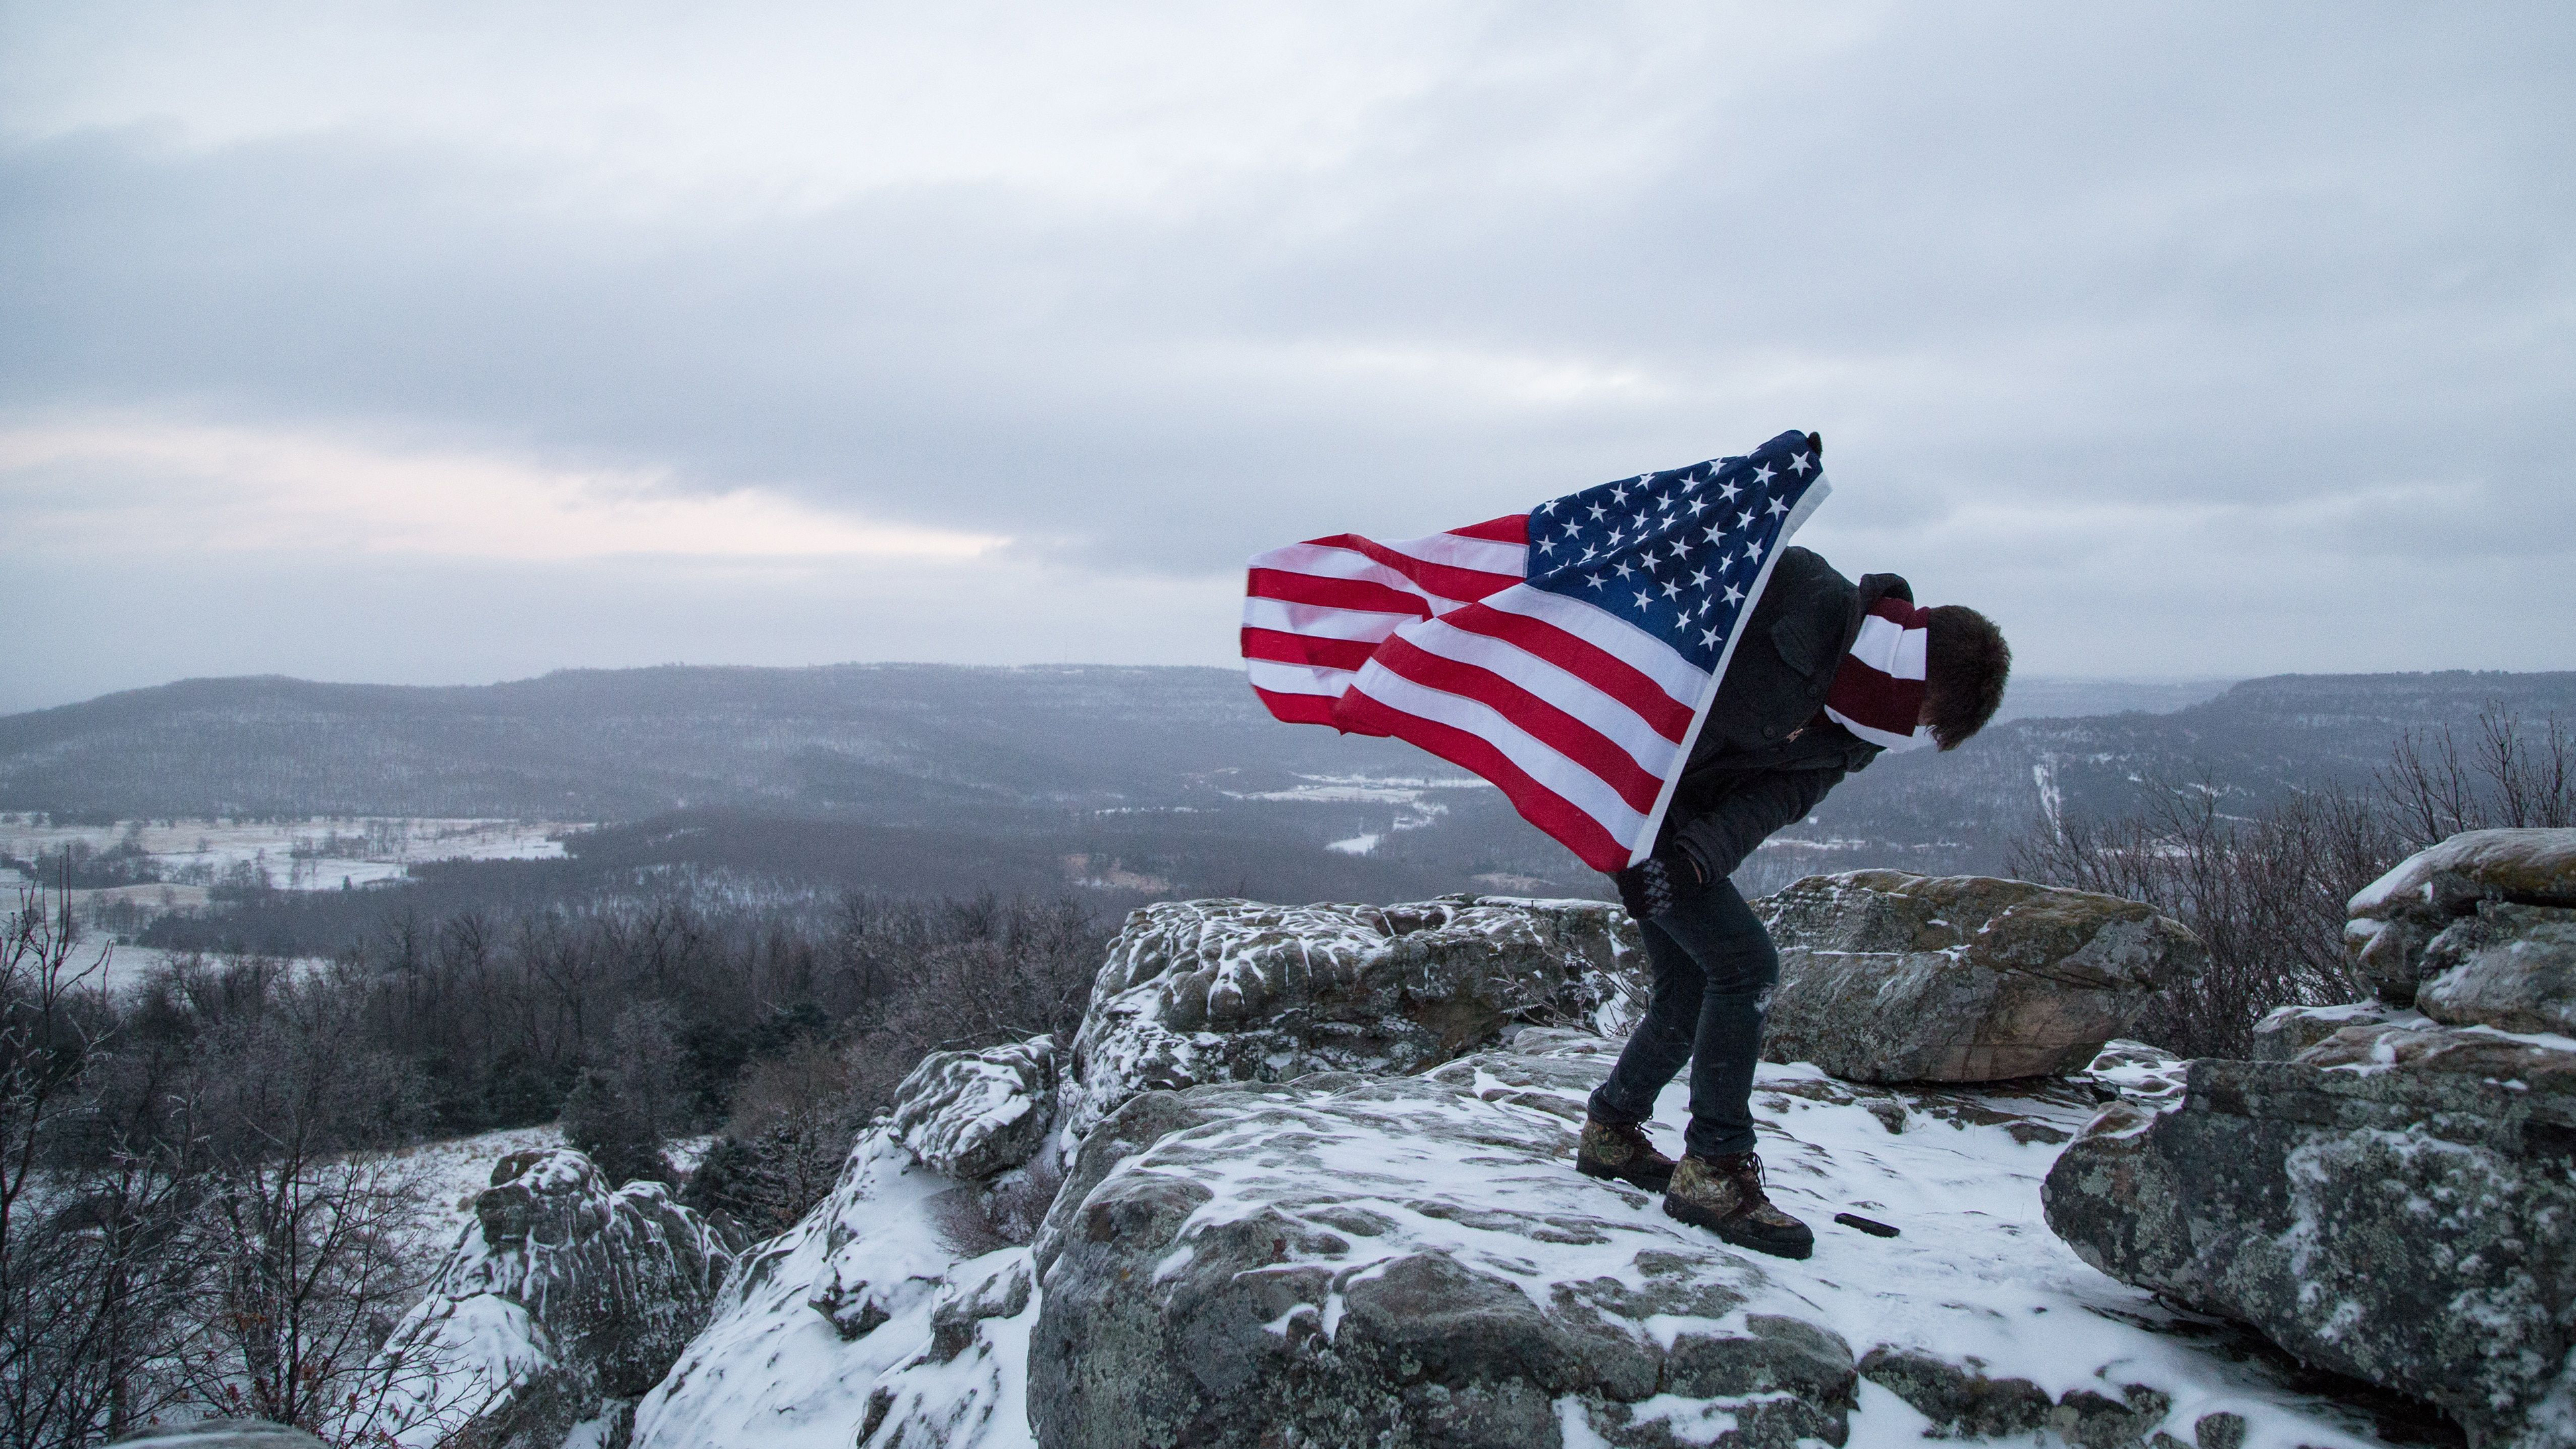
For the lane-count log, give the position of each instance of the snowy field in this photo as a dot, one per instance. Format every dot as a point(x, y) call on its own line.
point(1408, 796)
point(314, 854)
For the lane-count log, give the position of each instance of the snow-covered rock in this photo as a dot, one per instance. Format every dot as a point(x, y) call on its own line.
point(974, 1114)
point(2396, 1202)
point(2286, 1031)
point(1218, 991)
point(1890, 977)
point(2509, 966)
point(2396, 917)
point(564, 1297)
point(1340, 1258)
point(890, 1310)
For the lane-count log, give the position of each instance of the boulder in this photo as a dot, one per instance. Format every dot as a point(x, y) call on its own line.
point(564, 1295)
point(2396, 1203)
point(2509, 966)
point(1400, 1261)
point(2396, 918)
point(2286, 1031)
point(1223, 990)
point(889, 1315)
point(1890, 977)
point(976, 1114)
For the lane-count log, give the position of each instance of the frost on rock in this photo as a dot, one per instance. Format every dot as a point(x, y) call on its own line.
point(1226, 990)
point(2396, 918)
point(974, 1114)
point(1890, 977)
point(2394, 1202)
point(887, 1315)
point(1410, 1261)
point(562, 1298)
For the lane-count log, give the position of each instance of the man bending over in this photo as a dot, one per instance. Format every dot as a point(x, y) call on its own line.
point(1825, 676)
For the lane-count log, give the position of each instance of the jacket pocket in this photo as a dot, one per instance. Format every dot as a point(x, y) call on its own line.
point(1798, 644)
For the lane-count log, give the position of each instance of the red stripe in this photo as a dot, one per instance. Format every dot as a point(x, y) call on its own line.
point(1542, 721)
point(1510, 528)
point(1876, 698)
point(1444, 580)
point(1299, 708)
point(1355, 594)
point(1614, 676)
point(1900, 613)
point(1285, 648)
point(1539, 805)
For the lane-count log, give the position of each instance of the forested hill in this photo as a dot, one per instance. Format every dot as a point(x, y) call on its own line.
point(891, 741)
point(1020, 752)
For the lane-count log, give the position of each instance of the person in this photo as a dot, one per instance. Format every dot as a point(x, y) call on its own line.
point(1779, 735)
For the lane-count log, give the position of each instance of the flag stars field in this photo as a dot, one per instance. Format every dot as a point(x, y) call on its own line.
point(1484, 648)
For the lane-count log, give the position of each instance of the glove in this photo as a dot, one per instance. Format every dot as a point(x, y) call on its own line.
point(1656, 884)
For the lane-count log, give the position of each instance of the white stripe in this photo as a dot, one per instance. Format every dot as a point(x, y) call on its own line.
point(1484, 555)
point(1890, 647)
point(1280, 678)
point(1328, 562)
point(1566, 690)
point(1610, 634)
point(1570, 782)
point(1321, 621)
point(1887, 740)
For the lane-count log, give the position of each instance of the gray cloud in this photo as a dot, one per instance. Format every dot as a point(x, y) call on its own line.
point(2245, 303)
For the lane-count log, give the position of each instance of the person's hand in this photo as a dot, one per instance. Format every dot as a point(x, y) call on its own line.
point(1656, 884)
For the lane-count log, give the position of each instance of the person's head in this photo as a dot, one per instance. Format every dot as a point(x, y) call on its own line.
point(1965, 664)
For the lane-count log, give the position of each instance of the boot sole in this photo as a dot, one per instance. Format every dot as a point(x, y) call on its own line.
point(1740, 1236)
point(1658, 1181)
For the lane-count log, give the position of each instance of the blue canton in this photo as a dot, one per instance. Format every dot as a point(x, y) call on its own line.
point(1674, 553)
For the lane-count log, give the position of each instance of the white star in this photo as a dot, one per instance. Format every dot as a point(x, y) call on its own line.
point(1572, 528)
point(1715, 529)
point(1619, 494)
point(1624, 570)
point(1708, 638)
point(1800, 463)
point(1744, 518)
point(1643, 599)
point(1594, 580)
point(1763, 473)
point(1678, 552)
point(1728, 492)
point(1548, 507)
point(1733, 594)
point(1648, 561)
point(1698, 507)
point(1778, 508)
point(1596, 510)
point(1547, 546)
point(1672, 590)
point(1699, 578)
point(1588, 555)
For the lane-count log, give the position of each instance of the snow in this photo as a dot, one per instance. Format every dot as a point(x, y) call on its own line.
point(772, 1368)
point(319, 853)
point(1357, 844)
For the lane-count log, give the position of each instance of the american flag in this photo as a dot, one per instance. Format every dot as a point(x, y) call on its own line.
point(1567, 654)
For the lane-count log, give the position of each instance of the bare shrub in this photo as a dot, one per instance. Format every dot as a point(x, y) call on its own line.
point(2267, 892)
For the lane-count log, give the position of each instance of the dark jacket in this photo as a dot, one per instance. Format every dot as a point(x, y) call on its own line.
point(1762, 760)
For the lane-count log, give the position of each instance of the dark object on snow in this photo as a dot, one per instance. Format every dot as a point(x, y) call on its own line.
point(1871, 1226)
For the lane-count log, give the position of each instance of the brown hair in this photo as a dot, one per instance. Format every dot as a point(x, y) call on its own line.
point(1966, 661)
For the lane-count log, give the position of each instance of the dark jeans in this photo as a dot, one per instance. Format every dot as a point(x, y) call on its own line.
point(1714, 969)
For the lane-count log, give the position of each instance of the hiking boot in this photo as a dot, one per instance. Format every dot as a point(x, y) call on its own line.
point(1620, 1150)
point(1725, 1194)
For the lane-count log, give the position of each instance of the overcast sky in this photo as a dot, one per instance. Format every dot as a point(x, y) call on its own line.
point(458, 342)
